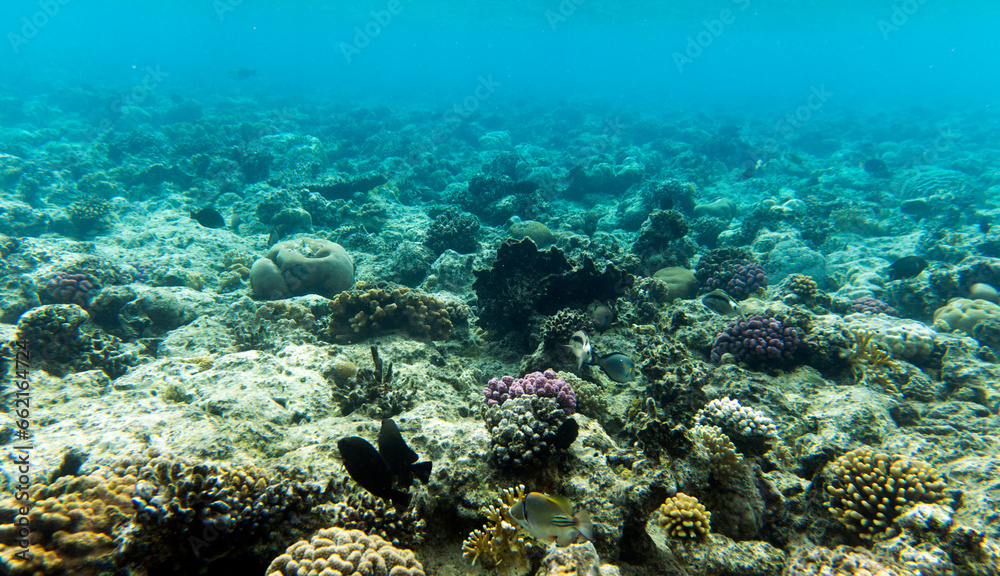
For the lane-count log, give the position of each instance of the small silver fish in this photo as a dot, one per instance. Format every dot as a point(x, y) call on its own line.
point(551, 520)
point(617, 365)
point(579, 345)
point(720, 302)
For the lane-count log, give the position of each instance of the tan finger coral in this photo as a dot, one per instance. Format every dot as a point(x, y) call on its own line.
point(683, 517)
point(868, 489)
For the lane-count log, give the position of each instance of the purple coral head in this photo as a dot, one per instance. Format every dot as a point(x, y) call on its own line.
point(757, 339)
point(71, 288)
point(546, 384)
point(873, 306)
point(746, 279)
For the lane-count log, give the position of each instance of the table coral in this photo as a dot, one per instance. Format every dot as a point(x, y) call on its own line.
point(335, 551)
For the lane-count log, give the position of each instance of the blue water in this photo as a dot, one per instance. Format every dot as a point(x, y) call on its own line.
point(742, 56)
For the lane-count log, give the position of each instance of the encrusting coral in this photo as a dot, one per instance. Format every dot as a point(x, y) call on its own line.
point(371, 308)
point(868, 489)
point(500, 544)
point(684, 518)
point(335, 551)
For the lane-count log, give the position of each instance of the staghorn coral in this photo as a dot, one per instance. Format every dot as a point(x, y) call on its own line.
point(868, 489)
point(500, 544)
point(370, 308)
point(684, 518)
point(334, 551)
point(371, 515)
point(870, 362)
point(75, 522)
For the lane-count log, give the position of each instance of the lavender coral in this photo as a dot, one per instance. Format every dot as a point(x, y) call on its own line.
point(872, 305)
point(746, 279)
point(546, 384)
point(72, 288)
point(757, 339)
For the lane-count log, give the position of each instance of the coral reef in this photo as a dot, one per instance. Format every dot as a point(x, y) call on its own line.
point(684, 518)
point(868, 489)
point(658, 232)
point(546, 384)
point(965, 314)
point(452, 230)
point(523, 430)
point(369, 390)
point(372, 308)
point(870, 363)
point(756, 340)
point(338, 551)
point(746, 279)
point(717, 268)
point(801, 285)
point(724, 460)
point(842, 560)
point(500, 544)
point(63, 341)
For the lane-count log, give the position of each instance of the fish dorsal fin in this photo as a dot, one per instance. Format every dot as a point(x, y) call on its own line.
point(393, 448)
point(562, 502)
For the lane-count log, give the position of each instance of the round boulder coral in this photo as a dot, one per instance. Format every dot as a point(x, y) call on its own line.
point(757, 339)
point(336, 551)
point(302, 266)
point(684, 518)
point(964, 314)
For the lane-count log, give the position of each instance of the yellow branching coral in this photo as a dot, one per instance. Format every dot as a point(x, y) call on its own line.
point(684, 518)
point(500, 544)
point(724, 459)
point(870, 362)
point(869, 489)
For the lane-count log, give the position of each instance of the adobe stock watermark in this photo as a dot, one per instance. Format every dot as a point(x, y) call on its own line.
point(785, 128)
point(943, 142)
point(120, 105)
point(900, 15)
point(456, 115)
point(223, 7)
point(563, 11)
point(363, 35)
point(32, 25)
point(711, 31)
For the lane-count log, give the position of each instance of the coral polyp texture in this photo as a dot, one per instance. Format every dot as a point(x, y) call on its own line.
point(748, 428)
point(802, 285)
point(872, 306)
point(68, 288)
point(335, 551)
point(370, 309)
point(746, 280)
point(523, 430)
point(546, 384)
point(841, 561)
point(867, 489)
point(757, 340)
point(684, 518)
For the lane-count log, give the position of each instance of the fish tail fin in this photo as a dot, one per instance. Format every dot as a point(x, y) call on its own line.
point(422, 470)
point(400, 500)
point(584, 525)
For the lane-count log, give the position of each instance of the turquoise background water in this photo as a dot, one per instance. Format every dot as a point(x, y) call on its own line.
point(737, 56)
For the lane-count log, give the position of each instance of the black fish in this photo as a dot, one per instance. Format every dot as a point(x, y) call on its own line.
point(566, 434)
point(907, 267)
point(402, 460)
point(209, 218)
point(378, 471)
point(877, 168)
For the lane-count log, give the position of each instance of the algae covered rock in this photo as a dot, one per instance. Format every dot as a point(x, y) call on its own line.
point(302, 266)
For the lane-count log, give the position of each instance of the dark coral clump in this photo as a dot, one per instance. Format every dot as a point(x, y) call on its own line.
point(69, 288)
point(63, 341)
point(759, 339)
point(369, 390)
point(523, 430)
point(375, 517)
point(89, 214)
point(559, 327)
point(525, 282)
point(453, 230)
point(872, 306)
point(746, 279)
point(716, 268)
point(658, 233)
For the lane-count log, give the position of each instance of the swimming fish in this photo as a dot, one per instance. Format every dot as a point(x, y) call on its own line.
point(721, 302)
point(579, 345)
point(566, 434)
point(876, 167)
point(209, 218)
point(551, 520)
point(617, 365)
point(379, 471)
point(601, 315)
point(241, 73)
point(907, 267)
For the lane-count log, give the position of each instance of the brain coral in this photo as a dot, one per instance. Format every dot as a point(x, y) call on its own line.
point(335, 551)
point(302, 266)
point(868, 489)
